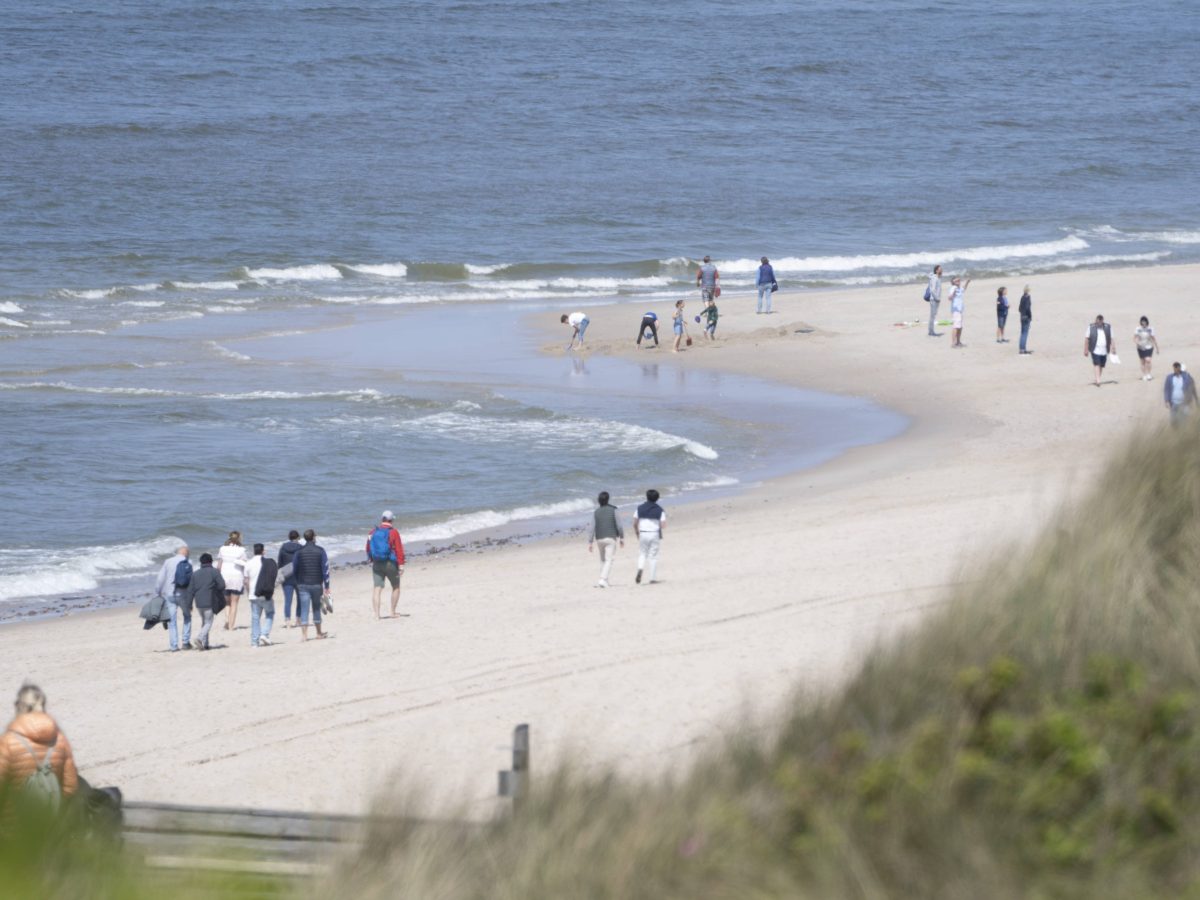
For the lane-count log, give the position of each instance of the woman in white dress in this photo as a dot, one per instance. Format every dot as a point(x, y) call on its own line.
point(231, 560)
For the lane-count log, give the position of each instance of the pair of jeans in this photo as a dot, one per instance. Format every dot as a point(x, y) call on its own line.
point(289, 588)
point(764, 296)
point(608, 550)
point(308, 597)
point(175, 605)
point(258, 607)
point(1025, 330)
point(206, 620)
point(583, 326)
point(652, 324)
point(648, 545)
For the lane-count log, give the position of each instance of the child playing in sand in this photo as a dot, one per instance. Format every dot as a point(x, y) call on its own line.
point(677, 325)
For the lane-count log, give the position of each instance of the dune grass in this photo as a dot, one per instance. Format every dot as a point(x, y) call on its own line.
point(1038, 737)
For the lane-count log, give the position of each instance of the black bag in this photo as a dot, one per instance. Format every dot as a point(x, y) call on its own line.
point(218, 600)
point(264, 586)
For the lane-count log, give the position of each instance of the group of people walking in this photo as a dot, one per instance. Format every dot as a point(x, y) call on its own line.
point(301, 570)
point(607, 533)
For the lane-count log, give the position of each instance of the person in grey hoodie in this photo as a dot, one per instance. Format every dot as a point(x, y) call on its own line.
point(1179, 393)
point(607, 532)
point(207, 591)
point(933, 293)
point(167, 587)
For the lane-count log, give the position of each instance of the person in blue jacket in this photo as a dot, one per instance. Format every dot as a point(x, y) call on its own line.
point(767, 285)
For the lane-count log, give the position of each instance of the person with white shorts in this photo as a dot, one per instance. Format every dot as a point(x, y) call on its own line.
point(956, 310)
point(648, 522)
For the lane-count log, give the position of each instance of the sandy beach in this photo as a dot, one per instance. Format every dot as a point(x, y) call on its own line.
point(787, 585)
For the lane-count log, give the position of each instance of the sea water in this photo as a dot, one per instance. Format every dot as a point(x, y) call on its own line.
point(204, 207)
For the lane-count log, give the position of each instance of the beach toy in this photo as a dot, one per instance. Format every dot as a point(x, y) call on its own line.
point(697, 320)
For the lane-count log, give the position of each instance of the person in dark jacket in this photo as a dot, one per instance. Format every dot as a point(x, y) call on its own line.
point(1179, 393)
point(310, 568)
point(207, 591)
point(766, 285)
point(1098, 344)
point(286, 552)
point(606, 531)
point(1025, 310)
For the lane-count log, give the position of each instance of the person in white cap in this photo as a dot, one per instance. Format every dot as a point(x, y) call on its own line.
point(386, 552)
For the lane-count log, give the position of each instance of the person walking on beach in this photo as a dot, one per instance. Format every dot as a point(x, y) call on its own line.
point(1179, 393)
point(708, 279)
point(35, 756)
point(261, 572)
point(1025, 309)
point(767, 285)
point(231, 560)
point(933, 294)
point(310, 566)
point(1097, 342)
point(648, 523)
point(579, 323)
point(386, 552)
point(957, 293)
point(172, 582)
point(1147, 345)
point(650, 324)
point(1001, 314)
point(677, 325)
point(710, 319)
point(206, 591)
point(286, 551)
point(606, 532)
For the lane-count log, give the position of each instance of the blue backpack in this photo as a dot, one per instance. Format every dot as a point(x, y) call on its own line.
point(183, 574)
point(380, 546)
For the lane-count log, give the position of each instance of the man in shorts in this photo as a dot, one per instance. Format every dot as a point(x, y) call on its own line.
point(386, 552)
point(956, 310)
point(708, 279)
point(1098, 343)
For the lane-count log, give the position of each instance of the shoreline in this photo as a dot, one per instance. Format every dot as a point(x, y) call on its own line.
point(783, 587)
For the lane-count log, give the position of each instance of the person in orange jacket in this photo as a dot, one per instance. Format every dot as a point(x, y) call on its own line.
point(32, 738)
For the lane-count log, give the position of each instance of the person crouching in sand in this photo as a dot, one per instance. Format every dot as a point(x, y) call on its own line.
point(579, 323)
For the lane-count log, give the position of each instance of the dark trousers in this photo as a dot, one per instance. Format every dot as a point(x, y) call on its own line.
point(650, 323)
point(1024, 332)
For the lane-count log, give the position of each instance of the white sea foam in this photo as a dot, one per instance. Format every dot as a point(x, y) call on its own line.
point(85, 389)
point(95, 294)
point(1109, 233)
point(12, 323)
point(485, 270)
point(10, 308)
point(562, 433)
point(204, 285)
point(317, 272)
point(922, 259)
point(489, 518)
point(226, 352)
point(383, 270)
point(364, 394)
point(52, 573)
point(224, 309)
point(147, 304)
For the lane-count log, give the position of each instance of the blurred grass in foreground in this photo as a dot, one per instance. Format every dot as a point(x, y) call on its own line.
point(1038, 737)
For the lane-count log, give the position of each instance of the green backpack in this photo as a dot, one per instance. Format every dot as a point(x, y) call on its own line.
point(42, 787)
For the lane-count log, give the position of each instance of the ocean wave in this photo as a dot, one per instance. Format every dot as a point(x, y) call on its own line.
point(922, 259)
point(485, 270)
point(1108, 232)
point(384, 270)
point(10, 308)
point(362, 394)
point(12, 323)
point(226, 352)
point(67, 387)
point(315, 272)
point(146, 304)
point(52, 573)
point(558, 433)
point(488, 518)
point(218, 309)
point(202, 285)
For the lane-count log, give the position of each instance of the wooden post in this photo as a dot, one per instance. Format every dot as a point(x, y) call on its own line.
point(514, 782)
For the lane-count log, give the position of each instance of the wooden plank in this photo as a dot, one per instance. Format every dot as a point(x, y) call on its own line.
point(248, 867)
point(252, 823)
point(232, 846)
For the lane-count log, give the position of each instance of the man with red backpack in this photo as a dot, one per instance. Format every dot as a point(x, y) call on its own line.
point(386, 552)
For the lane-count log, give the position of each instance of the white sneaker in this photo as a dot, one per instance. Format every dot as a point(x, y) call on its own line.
point(264, 641)
point(601, 583)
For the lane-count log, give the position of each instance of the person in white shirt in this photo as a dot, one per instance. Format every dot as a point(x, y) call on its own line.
point(956, 310)
point(261, 607)
point(1097, 341)
point(1147, 345)
point(579, 322)
point(231, 561)
point(934, 292)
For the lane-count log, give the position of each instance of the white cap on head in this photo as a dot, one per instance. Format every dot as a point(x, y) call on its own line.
point(387, 516)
